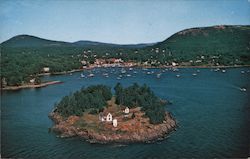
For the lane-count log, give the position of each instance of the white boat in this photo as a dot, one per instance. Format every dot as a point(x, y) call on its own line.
point(175, 69)
point(91, 75)
point(242, 72)
point(82, 75)
point(118, 78)
point(194, 74)
point(178, 75)
point(105, 74)
point(128, 75)
point(130, 69)
point(217, 69)
point(123, 71)
point(243, 89)
point(198, 70)
point(158, 75)
point(223, 71)
point(135, 72)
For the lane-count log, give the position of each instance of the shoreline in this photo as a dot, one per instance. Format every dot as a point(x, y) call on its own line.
point(90, 68)
point(13, 88)
point(148, 134)
point(137, 66)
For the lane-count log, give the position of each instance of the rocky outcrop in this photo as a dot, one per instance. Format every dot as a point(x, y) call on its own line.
point(137, 130)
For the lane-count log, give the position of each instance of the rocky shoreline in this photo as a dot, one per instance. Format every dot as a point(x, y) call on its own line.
point(129, 134)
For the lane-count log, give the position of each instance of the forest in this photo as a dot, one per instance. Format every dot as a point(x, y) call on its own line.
point(94, 98)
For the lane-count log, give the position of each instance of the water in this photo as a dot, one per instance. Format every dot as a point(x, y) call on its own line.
point(212, 114)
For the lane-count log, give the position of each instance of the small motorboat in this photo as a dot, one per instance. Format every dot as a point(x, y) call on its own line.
point(82, 75)
point(91, 75)
point(158, 75)
point(123, 71)
point(243, 89)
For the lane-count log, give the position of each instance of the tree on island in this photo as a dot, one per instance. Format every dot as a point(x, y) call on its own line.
point(94, 99)
point(134, 96)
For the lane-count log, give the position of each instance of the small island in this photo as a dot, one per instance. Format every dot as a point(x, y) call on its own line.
point(133, 114)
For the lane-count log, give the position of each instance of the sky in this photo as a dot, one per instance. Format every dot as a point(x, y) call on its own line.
point(121, 22)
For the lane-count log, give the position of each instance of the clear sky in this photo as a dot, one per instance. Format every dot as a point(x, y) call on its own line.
point(122, 22)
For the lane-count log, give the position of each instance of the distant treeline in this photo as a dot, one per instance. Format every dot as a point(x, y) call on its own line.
point(94, 98)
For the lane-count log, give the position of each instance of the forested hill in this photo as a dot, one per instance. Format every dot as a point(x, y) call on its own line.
point(29, 41)
point(24, 56)
point(227, 40)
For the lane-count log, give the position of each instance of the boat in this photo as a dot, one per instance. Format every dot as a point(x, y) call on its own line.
point(217, 69)
point(123, 71)
point(223, 71)
point(198, 70)
point(82, 75)
point(91, 75)
point(105, 74)
point(135, 72)
point(118, 78)
point(194, 74)
point(128, 75)
point(158, 75)
point(242, 72)
point(175, 69)
point(243, 89)
point(130, 69)
point(178, 75)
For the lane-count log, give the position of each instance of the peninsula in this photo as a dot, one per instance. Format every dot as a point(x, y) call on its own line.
point(133, 114)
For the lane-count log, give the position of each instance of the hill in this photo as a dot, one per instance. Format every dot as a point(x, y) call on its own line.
point(228, 45)
point(29, 41)
point(24, 56)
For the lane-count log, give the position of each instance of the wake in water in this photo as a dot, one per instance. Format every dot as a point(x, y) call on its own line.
point(243, 89)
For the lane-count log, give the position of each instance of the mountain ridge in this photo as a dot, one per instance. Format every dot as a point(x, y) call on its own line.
point(25, 40)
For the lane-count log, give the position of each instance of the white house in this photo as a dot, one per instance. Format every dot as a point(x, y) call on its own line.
point(32, 80)
point(46, 69)
point(115, 122)
point(126, 111)
point(109, 117)
point(174, 64)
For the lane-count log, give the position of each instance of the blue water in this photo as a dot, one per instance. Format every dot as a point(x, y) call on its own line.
point(212, 114)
